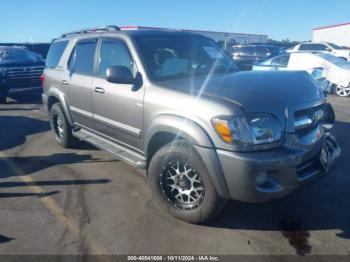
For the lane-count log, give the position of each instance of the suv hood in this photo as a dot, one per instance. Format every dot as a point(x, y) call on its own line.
point(257, 91)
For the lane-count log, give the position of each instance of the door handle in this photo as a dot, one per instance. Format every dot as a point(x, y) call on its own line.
point(99, 90)
point(64, 82)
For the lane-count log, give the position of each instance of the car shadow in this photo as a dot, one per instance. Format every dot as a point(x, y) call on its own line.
point(15, 195)
point(15, 129)
point(25, 97)
point(4, 239)
point(18, 166)
point(323, 205)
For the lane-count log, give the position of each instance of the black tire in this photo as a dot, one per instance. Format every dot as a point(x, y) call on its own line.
point(60, 127)
point(3, 94)
point(180, 151)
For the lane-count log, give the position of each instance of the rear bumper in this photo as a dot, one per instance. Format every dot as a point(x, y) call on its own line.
point(265, 175)
point(44, 99)
point(20, 89)
point(22, 83)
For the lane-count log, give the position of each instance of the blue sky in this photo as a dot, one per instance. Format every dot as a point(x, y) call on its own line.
point(40, 20)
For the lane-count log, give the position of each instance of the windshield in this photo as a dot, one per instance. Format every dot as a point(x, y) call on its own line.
point(15, 54)
point(333, 59)
point(334, 46)
point(175, 57)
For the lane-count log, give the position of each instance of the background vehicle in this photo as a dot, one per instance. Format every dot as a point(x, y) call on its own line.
point(324, 48)
point(174, 104)
point(19, 69)
point(335, 70)
point(246, 55)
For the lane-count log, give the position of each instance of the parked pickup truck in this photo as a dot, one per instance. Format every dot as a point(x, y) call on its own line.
point(19, 69)
point(173, 103)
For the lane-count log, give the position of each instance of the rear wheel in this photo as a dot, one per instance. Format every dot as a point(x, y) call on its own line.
point(182, 184)
point(60, 127)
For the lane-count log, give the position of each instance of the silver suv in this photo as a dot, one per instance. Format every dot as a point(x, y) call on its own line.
point(174, 104)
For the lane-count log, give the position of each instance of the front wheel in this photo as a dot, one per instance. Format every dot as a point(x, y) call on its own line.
point(341, 90)
point(182, 185)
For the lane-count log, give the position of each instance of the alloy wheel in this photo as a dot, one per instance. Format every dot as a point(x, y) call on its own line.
point(342, 90)
point(59, 129)
point(182, 185)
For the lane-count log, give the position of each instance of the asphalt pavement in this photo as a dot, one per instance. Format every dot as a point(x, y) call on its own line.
point(85, 201)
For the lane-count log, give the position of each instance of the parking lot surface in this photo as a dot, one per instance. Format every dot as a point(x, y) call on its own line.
point(84, 201)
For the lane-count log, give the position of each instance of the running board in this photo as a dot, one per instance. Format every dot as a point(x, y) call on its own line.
point(132, 158)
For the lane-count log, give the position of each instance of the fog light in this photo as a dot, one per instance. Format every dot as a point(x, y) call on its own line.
point(261, 178)
point(264, 182)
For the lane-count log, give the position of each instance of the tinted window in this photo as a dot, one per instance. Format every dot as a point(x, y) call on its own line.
point(82, 58)
point(247, 50)
point(275, 50)
point(312, 47)
point(281, 61)
point(261, 51)
point(114, 53)
point(55, 53)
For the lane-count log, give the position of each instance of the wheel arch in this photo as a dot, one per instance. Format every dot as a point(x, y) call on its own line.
point(55, 95)
point(168, 128)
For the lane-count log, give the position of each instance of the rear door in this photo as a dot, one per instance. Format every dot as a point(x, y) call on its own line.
point(118, 108)
point(79, 81)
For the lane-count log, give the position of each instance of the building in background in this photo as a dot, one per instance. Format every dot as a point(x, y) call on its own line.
point(223, 38)
point(337, 34)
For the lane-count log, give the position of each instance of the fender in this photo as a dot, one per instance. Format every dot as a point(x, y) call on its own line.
point(198, 137)
point(58, 94)
point(181, 127)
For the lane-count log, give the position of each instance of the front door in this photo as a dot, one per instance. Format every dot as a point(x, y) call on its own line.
point(118, 108)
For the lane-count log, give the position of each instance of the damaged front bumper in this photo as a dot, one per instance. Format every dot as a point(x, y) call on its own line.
point(262, 176)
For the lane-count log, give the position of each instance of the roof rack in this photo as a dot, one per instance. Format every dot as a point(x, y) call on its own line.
point(93, 29)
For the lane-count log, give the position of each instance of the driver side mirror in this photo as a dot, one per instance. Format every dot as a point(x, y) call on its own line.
point(119, 75)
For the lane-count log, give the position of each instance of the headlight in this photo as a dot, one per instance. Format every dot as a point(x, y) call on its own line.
point(248, 130)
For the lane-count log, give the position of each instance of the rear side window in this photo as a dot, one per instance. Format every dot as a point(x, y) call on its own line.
point(83, 57)
point(55, 52)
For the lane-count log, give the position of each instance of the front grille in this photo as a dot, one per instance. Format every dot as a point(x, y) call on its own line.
point(24, 73)
point(306, 120)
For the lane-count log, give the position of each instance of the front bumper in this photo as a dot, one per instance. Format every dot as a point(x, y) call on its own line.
point(262, 176)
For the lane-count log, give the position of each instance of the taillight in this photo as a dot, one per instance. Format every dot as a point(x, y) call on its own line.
point(42, 80)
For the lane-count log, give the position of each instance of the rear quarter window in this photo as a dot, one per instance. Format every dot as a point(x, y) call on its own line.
point(55, 52)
